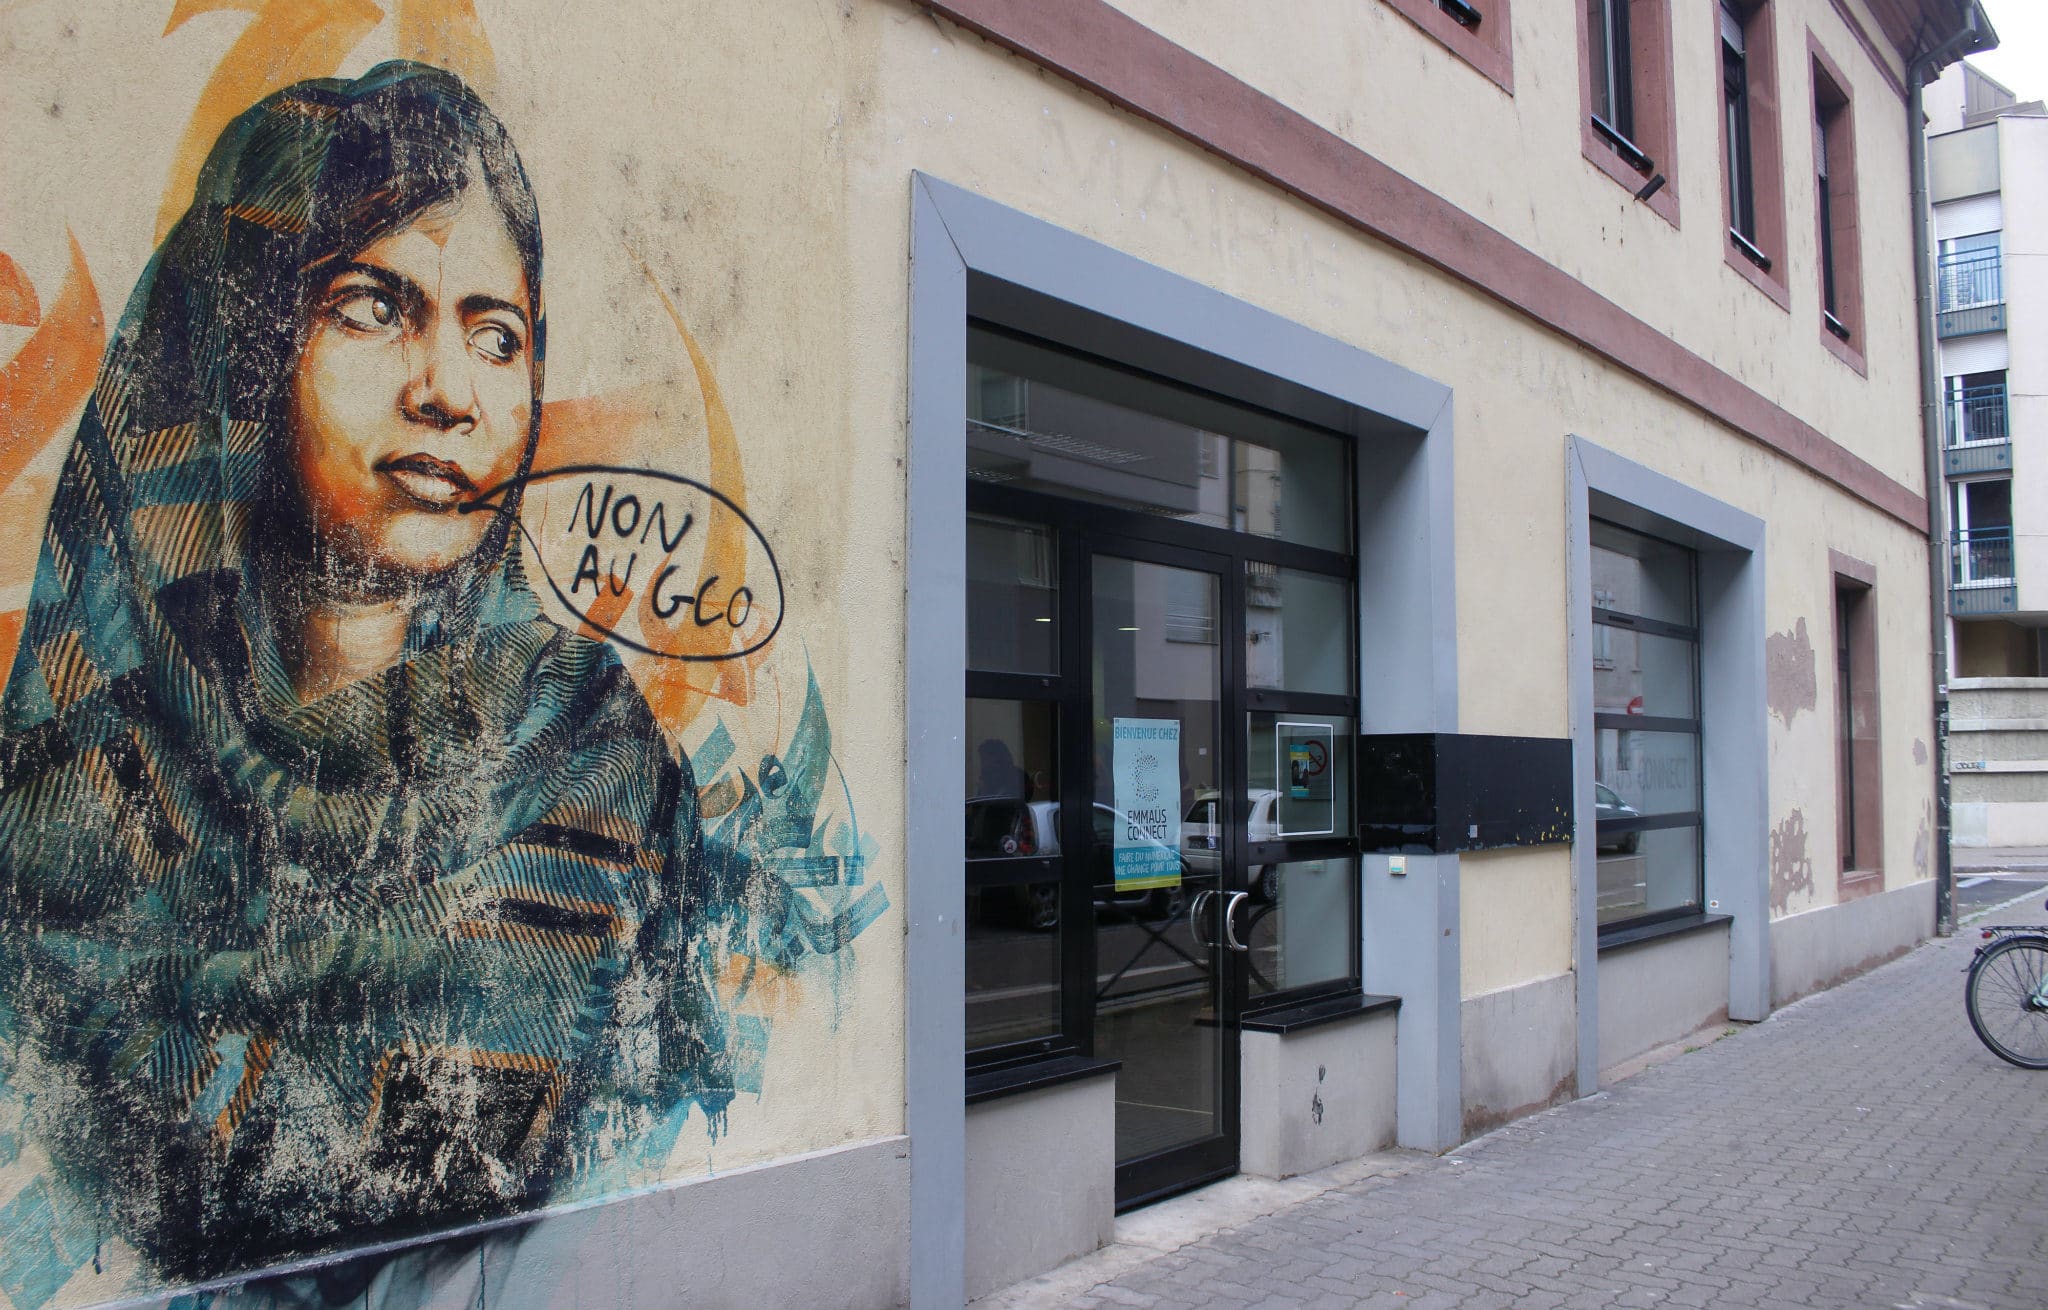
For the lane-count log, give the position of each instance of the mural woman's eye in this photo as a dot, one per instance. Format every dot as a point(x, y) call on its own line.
point(495, 342)
point(366, 311)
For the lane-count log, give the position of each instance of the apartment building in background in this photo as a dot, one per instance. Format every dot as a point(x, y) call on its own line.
point(1988, 179)
point(1396, 529)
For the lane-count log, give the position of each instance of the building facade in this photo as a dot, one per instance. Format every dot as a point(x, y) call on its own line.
point(1987, 154)
point(1401, 526)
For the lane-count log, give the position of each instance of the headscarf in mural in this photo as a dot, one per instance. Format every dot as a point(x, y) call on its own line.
point(284, 971)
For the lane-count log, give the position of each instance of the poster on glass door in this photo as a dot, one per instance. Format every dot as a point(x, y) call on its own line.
point(1146, 762)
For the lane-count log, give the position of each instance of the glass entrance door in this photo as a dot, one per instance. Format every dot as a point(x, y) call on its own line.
point(1166, 974)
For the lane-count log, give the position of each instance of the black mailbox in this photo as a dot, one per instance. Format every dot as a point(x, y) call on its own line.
point(1430, 792)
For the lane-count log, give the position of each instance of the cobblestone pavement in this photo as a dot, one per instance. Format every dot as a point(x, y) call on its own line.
point(1858, 1149)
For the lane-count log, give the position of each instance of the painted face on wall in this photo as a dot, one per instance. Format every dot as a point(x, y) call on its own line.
point(413, 391)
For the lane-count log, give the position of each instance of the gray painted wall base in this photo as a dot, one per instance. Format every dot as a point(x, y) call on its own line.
point(1317, 1097)
point(1658, 991)
point(1521, 1051)
point(1041, 1181)
point(839, 1237)
point(1411, 951)
point(1813, 951)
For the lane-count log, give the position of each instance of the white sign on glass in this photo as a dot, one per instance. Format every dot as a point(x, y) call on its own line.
point(1145, 757)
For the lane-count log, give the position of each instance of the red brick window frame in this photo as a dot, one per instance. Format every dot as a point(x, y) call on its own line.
point(1652, 130)
point(1838, 227)
point(1759, 253)
point(1486, 42)
point(1859, 756)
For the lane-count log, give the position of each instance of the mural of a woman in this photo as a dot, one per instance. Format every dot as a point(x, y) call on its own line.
point(342, 893)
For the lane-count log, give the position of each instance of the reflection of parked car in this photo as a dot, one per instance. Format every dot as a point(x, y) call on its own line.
point(1202, 837)
point(1003, 827)
point(1606, 806)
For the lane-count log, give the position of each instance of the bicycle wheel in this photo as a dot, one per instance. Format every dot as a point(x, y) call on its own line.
point(2004, 983)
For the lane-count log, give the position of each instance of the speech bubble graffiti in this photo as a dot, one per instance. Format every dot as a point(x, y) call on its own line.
point(655, 561)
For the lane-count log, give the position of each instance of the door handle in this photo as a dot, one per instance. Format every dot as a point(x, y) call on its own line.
point(1195, 904)
point(1230, 921)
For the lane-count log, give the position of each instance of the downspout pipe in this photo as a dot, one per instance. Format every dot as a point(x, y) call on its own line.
point(1919, 72)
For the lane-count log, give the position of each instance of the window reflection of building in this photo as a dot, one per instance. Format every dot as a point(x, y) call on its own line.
point(1646, 726)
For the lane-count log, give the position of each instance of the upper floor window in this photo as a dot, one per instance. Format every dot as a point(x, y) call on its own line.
point(1476, 31)
point(1614, 95)
point(1625, 83)
point(1751, 174)
point(1980, 532)
point(1840, 234)
point(1971, 273)
point(1974, 409)
point(1735, 122)
point(1828, 299)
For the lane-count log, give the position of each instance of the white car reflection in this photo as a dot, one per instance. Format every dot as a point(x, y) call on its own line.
point(1003, 827)
point(1201, 837)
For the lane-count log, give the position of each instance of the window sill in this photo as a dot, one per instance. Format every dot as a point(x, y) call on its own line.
point(1474, 45)
point(1603, 155)
point(1639, 934)
point(1763, 280)
point(1844, 349)
point(1035, 1076)
point(1287, 1019)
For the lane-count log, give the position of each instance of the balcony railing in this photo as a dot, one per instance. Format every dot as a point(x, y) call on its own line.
point(1975, 418)
point(1977, 414)
point(1971, 297)
point(1982, 558)
point(1973, 277)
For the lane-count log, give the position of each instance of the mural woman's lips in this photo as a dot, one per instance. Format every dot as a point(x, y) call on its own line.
point(433, 483)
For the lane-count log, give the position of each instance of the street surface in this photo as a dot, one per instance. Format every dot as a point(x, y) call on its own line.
point(1858, 1149)
point(1976, 892)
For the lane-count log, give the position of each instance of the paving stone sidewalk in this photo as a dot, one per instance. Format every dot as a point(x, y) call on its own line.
point(1857, 1149)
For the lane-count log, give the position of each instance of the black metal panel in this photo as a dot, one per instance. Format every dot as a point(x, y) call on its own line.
point(1434, 793)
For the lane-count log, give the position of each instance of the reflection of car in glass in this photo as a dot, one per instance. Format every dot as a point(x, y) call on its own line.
point(1002, 827)
point(1202, 838)
point(1607, 805)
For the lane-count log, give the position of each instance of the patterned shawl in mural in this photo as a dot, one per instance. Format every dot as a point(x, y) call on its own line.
point(275, 977)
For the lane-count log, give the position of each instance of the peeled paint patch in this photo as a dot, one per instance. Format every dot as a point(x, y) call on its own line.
point(1791, 867)
point(1919, 751)
point(1789, 681)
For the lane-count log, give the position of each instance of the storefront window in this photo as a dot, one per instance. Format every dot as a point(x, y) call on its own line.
point(1299, 768)
point(1012, 597)
point(1300, 924)
point(1041, 419)
point(1297, 630)
point(1161, 620)
point(1646, 763)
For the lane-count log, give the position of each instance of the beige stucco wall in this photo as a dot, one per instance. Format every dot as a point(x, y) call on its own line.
point(1366, 73)
point(1515, 918)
